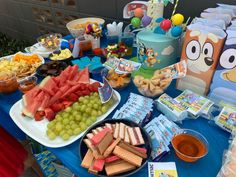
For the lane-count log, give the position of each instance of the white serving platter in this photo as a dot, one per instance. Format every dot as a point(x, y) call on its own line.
point(37, 129)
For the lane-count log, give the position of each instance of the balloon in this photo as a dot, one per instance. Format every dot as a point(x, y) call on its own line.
point(177, 19)
point(136, 22)
point(165, 25)
point(159, 20)
point(138, 12)
point(158, 30)
point(176, 31)
point(146, 20)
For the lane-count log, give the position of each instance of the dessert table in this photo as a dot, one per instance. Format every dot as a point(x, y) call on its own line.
point(69, 155)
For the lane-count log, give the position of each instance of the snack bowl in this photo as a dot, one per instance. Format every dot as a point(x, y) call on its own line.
point(190, 145)
point(116, 80)
point(60, 55)
point(83, 147)
point(8, 82)
point(77, 27)
point(52, 68)
point(152, 87)
point(50, 41)
point(27, 83)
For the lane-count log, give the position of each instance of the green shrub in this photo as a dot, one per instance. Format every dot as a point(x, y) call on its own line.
point(10, 46)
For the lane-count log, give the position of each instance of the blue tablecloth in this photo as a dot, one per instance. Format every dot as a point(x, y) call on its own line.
point(69, 155)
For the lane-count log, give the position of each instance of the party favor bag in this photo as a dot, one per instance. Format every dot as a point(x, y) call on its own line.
point(210, 22)
point(201, 50)
point(226, 17)
point(223, 86)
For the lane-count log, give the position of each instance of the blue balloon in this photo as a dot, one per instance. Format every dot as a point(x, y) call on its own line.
point(176, 31)
point(158, 30)
point(159, 20)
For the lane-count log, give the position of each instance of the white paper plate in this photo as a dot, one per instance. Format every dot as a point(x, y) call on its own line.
point(37, 130)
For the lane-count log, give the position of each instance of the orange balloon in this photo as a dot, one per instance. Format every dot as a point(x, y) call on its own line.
point(138, 12)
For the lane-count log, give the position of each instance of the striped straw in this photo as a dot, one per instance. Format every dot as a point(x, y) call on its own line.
point(175, 7)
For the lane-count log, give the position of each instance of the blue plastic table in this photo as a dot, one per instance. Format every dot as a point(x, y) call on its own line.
point(69, 155)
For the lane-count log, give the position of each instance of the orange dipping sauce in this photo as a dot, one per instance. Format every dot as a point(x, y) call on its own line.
point(27, 84)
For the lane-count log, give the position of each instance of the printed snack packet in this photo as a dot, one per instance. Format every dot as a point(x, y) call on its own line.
point(227, 119)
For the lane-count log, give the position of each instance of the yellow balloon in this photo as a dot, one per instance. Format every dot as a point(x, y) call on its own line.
point(177, 19)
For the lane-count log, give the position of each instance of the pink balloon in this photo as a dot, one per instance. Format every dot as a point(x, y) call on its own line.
point(165, 25)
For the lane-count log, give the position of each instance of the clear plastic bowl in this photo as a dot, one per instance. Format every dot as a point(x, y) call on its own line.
point(51, 41)
point(190, 145)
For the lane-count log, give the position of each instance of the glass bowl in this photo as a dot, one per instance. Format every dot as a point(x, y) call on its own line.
point(190, 145)
point(28, 83)
point(51, 41)
point(8, 82)
point(117, 81)
point(151, 88)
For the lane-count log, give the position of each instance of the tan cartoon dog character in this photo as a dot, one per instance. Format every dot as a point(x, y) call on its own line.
point(151, 57)
point(201, 50)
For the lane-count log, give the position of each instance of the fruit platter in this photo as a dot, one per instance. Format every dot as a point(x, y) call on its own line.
point(58, 110)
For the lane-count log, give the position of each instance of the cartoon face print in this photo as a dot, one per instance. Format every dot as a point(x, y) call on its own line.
point(200, 51)
point(228, 61)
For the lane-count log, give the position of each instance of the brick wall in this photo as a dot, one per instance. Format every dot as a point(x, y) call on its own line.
point(27, 19)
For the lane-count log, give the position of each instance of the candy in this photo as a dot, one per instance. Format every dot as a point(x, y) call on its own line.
point(165, 25)
point(177, 19)
point(158, 30)
point(176, 31)
point(146, 20)
point(136, 22)
point(138, 12)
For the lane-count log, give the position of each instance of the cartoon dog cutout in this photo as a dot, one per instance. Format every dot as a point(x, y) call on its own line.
point(223, 86)
point(201, 51)
point(142, 52)
point(151, 57)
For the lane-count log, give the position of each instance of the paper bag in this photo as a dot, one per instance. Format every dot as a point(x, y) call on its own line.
point(201, 50)
point(223, 86)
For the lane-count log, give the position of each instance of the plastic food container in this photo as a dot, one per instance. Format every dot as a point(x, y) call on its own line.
point(27, 84)
point(8, 82)
point(190, 145)
point(50, 41)
point(117, 81)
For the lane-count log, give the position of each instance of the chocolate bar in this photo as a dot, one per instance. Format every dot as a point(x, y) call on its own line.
point(115, 169)
point(128, 156)
point(88, 159)
point(111, 147)
point(135, 136)
point(133, 149)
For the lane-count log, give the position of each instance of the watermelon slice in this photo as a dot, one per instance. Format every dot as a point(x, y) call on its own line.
point(73, 72)
point(55, 97)
point(45, 101)
point(56, 107)
point(48, 85)
point(84, 76)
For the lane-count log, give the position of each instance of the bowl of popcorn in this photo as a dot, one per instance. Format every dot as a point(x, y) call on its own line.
point(154, 86)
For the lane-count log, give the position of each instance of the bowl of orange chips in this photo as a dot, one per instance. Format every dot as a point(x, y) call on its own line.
point(117, 81)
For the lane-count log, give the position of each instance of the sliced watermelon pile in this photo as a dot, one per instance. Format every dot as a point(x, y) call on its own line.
point(54, 94)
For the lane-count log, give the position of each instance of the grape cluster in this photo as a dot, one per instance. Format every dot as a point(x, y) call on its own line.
point(78, 117)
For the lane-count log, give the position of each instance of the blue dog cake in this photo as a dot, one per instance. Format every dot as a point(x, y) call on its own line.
point(156, 51)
